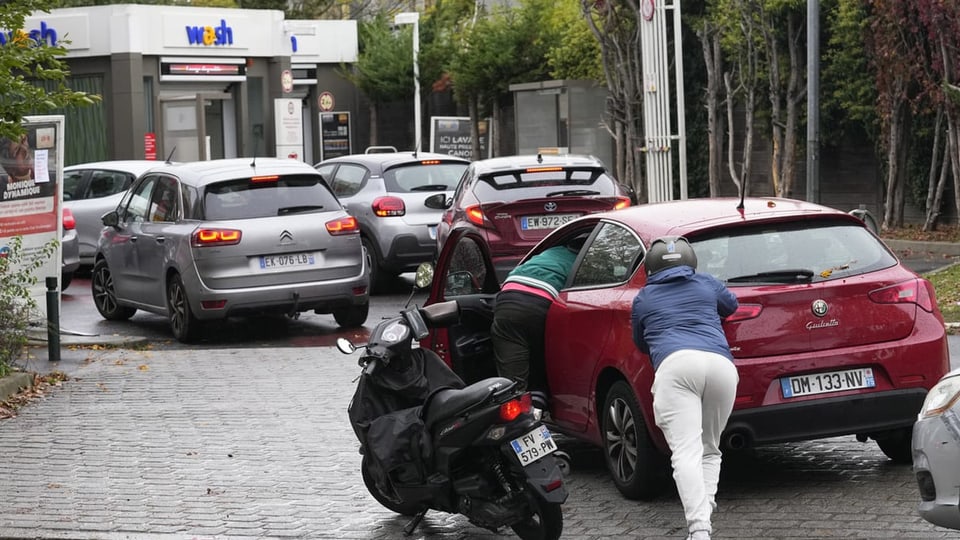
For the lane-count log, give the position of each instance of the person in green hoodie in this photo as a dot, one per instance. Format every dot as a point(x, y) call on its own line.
point(520, 315)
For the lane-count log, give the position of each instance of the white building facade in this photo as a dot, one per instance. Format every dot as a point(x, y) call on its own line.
point(199, 83)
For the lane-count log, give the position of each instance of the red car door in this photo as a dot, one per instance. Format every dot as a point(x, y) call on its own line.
point(592, 310)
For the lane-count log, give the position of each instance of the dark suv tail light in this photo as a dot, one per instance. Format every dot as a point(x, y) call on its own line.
point(388, 207)
point(915, 291)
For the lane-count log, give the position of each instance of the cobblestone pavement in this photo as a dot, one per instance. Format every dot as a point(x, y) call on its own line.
point(255, 443)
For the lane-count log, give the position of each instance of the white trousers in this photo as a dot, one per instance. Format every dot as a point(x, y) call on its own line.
point(693, 393)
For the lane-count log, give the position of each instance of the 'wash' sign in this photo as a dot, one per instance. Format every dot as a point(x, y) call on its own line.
point(210, 35)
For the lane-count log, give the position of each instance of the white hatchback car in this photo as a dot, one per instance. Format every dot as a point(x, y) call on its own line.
point(936, 453)
point(230, 237)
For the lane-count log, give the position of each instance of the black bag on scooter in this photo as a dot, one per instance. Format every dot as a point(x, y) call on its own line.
point(385, 412)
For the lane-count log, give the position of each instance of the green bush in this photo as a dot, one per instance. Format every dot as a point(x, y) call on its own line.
point(18, 269)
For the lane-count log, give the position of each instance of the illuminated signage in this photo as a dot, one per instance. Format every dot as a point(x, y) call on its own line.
point(38, 35)
point(210, 35)
point(202, 69)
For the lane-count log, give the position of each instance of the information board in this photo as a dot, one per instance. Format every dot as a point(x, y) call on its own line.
point(451, 135)
point(31, 195)
point(335, 134)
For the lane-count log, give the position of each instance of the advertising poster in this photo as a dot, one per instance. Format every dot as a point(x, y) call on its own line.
point(289, 128)
point(31, 192)
point(451, 135)
point(334, 135)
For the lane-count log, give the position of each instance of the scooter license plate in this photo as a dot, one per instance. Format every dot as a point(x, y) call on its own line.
point(534, 445)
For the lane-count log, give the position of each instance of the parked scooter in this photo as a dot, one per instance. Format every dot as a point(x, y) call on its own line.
point(429, 442)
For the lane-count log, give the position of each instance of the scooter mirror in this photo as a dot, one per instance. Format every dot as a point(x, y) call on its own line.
point(345, 346)
point(424, 276)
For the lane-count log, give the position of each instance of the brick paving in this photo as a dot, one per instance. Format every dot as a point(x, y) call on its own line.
point(255, 443)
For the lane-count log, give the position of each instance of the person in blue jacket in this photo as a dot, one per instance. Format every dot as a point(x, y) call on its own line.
point(677, 321)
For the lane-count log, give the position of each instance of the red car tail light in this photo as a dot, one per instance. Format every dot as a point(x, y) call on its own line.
point(345, 225)
point(744, 312)
point(388, 207)
point(475, 215)
point(69, 222)
point(216, 237)
point(510, 410)
point(622, 202)
point(915, 291)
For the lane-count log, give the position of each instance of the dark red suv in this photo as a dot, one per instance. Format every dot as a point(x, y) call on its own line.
point(833, 335)
point(513, 202)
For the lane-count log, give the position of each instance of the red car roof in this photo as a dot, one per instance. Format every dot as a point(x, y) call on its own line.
point(682, 217)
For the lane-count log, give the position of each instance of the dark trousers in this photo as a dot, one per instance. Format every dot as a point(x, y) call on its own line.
point(518, 337)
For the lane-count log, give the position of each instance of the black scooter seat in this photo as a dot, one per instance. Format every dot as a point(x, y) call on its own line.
point(450, 402)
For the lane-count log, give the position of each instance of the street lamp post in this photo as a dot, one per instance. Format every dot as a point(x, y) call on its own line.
point(414, 19)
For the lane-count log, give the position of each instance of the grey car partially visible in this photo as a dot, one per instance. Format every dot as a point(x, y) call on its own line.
point(90, 190)
point(207, 240)
point(386, 192)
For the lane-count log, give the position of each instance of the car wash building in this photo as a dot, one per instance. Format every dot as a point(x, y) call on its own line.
point(196, 82)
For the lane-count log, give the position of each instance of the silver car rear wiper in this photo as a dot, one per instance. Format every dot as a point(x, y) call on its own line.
point(298, 209)
point(790, 275)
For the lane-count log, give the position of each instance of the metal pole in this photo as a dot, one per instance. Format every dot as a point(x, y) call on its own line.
point(53, 319)
point(416, 82)
point(813, 101)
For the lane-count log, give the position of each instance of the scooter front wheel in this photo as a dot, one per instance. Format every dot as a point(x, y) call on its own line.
point(391, 501)
point(545, 521)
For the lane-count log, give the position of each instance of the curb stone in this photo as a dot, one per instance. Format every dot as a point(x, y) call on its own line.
point(14, 383)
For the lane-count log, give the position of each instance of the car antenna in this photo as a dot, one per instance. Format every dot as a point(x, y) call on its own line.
point(743, 192)
point(539, 157)
point(170, 155)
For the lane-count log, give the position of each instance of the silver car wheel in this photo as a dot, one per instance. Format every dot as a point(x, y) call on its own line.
point(104, 296)
point(182, 322)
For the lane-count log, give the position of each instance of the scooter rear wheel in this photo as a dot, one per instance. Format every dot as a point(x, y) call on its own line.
point(390, 501)
point(544, 523)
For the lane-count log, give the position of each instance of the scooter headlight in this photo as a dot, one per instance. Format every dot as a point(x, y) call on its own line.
point(394, 332)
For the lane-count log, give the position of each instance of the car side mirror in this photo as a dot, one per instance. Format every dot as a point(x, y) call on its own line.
point(437, 202)
point(110, 219)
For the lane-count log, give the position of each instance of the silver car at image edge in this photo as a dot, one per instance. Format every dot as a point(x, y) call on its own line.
point(936, 453)
point(232, 237)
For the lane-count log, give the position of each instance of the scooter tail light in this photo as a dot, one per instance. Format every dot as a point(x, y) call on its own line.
point(512, 409)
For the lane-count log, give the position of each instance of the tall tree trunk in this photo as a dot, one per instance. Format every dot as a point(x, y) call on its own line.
point(473, 109)
point(935, 181)
point(713, 60)
point(893, 167)
point(374, 131)
point(795, 96)
point(953, 143)
point(775, 95)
